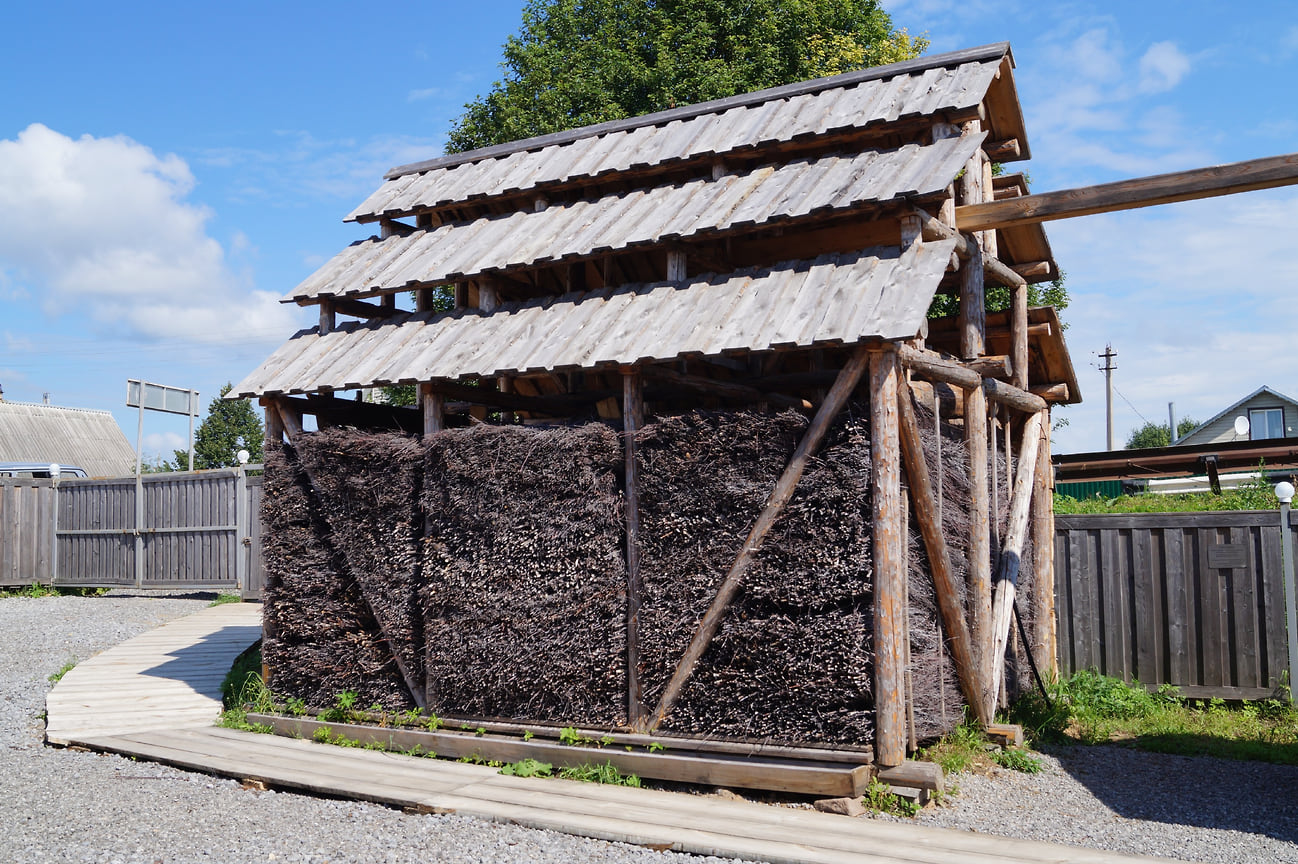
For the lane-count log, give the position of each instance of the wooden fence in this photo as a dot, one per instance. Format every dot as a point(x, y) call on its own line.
point(1190, 599)
point(180, 530)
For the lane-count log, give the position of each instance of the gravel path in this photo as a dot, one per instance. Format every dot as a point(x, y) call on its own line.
point(63, 806)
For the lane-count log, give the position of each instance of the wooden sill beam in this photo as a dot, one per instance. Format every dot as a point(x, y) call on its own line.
point(1208, 182)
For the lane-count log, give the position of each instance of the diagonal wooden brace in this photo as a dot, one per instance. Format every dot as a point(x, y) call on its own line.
point(837, 397)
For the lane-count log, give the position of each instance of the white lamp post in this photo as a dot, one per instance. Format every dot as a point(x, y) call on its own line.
point(1284, 491)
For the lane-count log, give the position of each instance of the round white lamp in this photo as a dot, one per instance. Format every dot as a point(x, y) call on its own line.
point(242, 456)
point(1284, 491)
point(55, 470)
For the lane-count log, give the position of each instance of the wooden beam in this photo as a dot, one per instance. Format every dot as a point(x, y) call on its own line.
point(488, 294)
point(676, 265)
point(550, 406)
point(1003, 151)
point(361, 309)
point(1007, 574)
point(326, 317)
point(1050, 392)
point(274, 425)
point(1019, 335)
point(927, 514)
point(432, 405)
point(1034, 270)
point(1043, 557)
point(780, 495)
point(991, 266)
point(887, 548)
point(1247, 176)
point(938, 368)
point(632, 420)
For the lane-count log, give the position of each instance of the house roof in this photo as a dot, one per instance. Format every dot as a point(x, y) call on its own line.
point(85, 438)
point(833, 300)
point(1233, 407)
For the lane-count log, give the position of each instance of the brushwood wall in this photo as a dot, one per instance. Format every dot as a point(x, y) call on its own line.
point(482, 571)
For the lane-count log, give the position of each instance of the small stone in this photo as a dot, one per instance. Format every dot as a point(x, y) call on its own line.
point(841, 806)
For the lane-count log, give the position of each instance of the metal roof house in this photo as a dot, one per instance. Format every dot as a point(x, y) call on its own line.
point(773, 250)
point(47, 434)
point(1270, 414)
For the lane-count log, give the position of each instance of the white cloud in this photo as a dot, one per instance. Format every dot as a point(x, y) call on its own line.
point(1162, 67)
point(1196, 298)
point(103, 226)
point(164, 442)
point(426, 93)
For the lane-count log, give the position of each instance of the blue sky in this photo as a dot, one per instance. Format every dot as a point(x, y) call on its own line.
point(167, 171)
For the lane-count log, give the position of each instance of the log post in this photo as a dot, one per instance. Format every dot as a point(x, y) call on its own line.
point(676, 265)
point(327, 317)
point(1019, 335)
point(928, 514)
point(889, 563)
point(838, 395)
point(274, 426)
point(632, 420)
point(1007, 576)
point(432, 405)
point(1043, 556)
point(488, 294)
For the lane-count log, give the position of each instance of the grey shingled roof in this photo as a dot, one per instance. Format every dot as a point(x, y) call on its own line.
point(835, 299)
point(69, 436)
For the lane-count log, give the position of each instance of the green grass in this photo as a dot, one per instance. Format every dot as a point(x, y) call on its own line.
point(225, 597)
point(63, 670)
point(1093, 709)
point(243, 687)
point(879, 799)
point(1257, 495)
point(36, 590)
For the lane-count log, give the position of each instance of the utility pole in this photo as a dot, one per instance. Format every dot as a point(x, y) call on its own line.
point(1109, 355)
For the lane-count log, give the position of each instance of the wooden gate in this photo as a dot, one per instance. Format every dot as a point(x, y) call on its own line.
point(175, 530)
point(1190, 599)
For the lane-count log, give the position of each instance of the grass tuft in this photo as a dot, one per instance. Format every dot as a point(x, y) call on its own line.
point(67, 667)
point(225, 597)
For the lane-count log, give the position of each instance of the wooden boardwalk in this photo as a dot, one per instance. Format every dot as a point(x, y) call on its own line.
point(177, 670)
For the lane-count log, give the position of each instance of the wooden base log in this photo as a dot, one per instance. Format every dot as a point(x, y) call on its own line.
point(632, 420)
point(780, 495)
point(1007, 575)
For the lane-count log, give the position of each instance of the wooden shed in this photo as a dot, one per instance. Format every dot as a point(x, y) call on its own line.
point(767, 252)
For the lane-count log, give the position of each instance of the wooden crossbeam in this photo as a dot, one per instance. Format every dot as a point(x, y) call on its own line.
point(729, 389)
point(1209, 182)
point(837, 397)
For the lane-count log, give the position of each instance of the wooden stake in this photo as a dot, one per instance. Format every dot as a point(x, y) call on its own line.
point(929, 516)
point(780, 495)
point(1043, 557)
point(1016, 531)
point(632, 420)
point(889, 563)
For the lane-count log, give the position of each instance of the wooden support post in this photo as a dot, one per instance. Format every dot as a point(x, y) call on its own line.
point(676, 265)
point(1043, 556)
point(838, 395)
point(433, 407)
point(292, 421)
point(388, 303)
point(326, 317)
point(424, 300)
point(887, 546)
point(274, 426)
point(488, 294)
point(632, 420)
point(461, 295)
point(927, 504)
point(1007, 576)
point(1019, 336)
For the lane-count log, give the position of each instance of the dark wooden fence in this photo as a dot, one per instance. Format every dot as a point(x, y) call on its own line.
point(184, 530)
point(1190, 599)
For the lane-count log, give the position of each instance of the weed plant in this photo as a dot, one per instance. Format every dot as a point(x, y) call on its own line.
point(1090, 708)
point(879, 798)
point(1258, 494)
point(37, 590)
point(67, 667)
point(224, 598)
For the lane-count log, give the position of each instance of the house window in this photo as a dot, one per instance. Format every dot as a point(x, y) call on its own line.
point(1266, 423)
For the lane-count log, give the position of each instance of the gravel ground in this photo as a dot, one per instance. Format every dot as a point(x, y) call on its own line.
point(64, 806)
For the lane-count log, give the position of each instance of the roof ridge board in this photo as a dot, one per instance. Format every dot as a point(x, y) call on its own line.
point(784, 91)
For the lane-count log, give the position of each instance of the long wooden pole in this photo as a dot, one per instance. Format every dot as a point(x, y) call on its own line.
point(1216, 180)
point(1043, 556)
point(928, 515)
point(837, 397)
point(632, 420)
point(1007, 576)
point(886, 548)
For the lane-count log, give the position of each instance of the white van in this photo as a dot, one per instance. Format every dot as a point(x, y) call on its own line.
point(43, 470)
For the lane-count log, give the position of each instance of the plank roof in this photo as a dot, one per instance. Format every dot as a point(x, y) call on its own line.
point(797, 190)
point(836, 299)
point(944, 84)
point(69, 436)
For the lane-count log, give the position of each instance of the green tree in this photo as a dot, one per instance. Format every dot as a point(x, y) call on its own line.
point(230, 426)
point(577, 62)
point(1158, 434)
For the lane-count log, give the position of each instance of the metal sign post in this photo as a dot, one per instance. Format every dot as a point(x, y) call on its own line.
point(170, 400)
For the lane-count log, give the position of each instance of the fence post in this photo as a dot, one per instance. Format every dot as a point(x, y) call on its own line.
point(1284, 491)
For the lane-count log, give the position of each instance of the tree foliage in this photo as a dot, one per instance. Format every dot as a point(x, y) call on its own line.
point(1158, 434)
point(577, 62)
point(230, 426)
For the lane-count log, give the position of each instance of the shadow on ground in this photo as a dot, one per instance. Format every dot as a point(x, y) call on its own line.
point(1182, 790)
